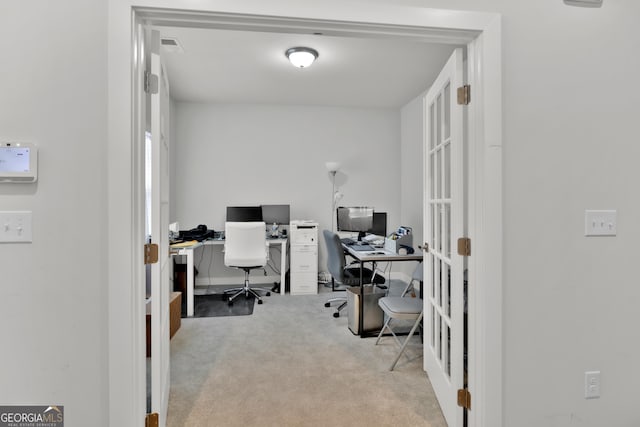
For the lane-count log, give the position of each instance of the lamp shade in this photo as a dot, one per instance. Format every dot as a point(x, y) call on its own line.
point(332, 166)
point(301, 57)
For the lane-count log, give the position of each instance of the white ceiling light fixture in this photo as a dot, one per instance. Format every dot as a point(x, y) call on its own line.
point(301, 57)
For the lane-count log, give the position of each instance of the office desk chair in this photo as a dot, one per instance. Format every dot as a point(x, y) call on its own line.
point(245, 248)
point(403, 308)
point(343, 274)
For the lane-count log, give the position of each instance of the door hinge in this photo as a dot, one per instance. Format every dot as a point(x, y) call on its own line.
point(152, 420)
point(150, 83)
point(464, 398)
point(424, 247)
point(464, 95)
point(150, 253)
point(464, 246)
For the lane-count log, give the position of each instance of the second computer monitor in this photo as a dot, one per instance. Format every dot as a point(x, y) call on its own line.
point(379, 226)
point(275, 214)
point(244, 213)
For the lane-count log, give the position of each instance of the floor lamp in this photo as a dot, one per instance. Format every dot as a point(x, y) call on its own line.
point(333, 168)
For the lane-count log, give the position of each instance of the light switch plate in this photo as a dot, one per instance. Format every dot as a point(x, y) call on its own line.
point(600, 222)
point(15, 226)
point(592, 384)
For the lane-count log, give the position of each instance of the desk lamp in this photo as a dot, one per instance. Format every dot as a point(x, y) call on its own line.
point(333, 168)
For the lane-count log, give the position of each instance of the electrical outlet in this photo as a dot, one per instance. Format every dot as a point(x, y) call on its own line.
point(592, 384)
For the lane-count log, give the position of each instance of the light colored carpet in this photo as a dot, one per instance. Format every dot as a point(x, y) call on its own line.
point(292, 364)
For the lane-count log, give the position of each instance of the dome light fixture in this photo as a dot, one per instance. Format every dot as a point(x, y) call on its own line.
point(301, 57)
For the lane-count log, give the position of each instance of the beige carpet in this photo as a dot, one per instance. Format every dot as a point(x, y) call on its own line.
point(292, 364)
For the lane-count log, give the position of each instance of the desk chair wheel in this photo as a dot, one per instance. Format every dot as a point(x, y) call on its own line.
point(336, 314)
point(259, 301)
point(327, 304)
point(268, 294)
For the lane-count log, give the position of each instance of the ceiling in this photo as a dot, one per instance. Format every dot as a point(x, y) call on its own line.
point(232, 66)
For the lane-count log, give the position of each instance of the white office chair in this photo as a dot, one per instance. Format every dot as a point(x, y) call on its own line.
point(246, 248)
point(403, 308)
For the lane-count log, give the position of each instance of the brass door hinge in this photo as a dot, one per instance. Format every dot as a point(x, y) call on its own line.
point(424, 247)
point(150, 253)
point(464, 246)
point(464, 398)
point(152, 420)
point(464, 95)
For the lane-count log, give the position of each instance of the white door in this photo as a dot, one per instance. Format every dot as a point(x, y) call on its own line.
point(444, 223)
point(159, 161)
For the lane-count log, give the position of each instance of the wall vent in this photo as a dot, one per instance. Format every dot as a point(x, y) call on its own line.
point(584, 3)
point(171, 45)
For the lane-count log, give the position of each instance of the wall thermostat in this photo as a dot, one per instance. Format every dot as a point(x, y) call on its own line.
point(18, 162)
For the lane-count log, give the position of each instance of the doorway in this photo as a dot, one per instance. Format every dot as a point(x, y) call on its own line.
point(481, 33)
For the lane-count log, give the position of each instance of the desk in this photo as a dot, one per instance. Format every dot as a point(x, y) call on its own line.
point(189, 251)
point(377, 255)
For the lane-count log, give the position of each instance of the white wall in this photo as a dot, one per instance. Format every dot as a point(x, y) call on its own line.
point(570, 144)
point(411, 157)
point(229, 155)
point(569, 134)
point(53, 324)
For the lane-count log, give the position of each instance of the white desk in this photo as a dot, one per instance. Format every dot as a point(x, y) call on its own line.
point(189, 251)
point(376, 255)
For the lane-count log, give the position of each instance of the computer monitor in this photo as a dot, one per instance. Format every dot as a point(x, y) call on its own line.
point(244, 213)
point(379, 227)
point(278, 214)
point(354, 219)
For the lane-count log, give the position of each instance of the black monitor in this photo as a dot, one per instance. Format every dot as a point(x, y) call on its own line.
point(244, 213)
point(354, 219)
point(278, 214)
point(379, 226)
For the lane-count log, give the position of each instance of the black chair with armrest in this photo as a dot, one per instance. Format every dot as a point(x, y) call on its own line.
point(343, 274)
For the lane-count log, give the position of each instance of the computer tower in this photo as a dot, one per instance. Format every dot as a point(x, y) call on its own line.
point(303, 257)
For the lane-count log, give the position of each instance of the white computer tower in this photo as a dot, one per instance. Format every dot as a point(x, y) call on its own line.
point(303, 257)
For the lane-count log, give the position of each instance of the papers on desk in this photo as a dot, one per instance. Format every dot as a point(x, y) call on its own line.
point(374, 239)
point(183, 244)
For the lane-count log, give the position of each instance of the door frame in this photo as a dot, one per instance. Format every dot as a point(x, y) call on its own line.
point(481, 32)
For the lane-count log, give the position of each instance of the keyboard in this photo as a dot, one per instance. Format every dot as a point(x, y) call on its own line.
point(348, 241)
point(362, 247)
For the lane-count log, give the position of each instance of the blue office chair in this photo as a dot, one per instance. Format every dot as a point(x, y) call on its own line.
point(343, 274)
point(245, 248)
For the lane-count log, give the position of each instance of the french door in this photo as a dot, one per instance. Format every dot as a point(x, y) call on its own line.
point(158, 174)
point(443, 224)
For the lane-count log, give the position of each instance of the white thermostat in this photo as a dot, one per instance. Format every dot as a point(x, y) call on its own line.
point(18, 162)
